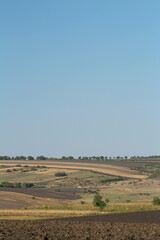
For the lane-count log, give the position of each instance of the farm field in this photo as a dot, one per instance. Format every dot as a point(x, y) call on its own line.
point(110, 169)
point(72, 194)
point(131, 226)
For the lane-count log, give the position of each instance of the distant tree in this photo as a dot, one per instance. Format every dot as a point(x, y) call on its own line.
point(41, 157)
point(70, 157)
point(6, 158)
point(99, 202)
point(30, 158)
point(85, 158)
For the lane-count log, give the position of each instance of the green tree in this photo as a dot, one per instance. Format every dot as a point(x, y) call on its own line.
point(30, 158)
point(99, 202)
point(41, 158)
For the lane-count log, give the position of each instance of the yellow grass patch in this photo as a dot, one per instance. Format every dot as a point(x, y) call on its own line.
point(36, 214)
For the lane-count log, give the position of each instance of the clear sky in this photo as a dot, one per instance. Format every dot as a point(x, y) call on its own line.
point(79, 77)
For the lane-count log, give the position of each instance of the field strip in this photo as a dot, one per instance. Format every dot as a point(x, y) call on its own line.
point(100, 168)
point(107, 171)
point(20, 214)
point(50, 163)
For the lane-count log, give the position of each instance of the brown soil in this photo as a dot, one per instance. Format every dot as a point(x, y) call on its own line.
point(43, 193)
point(107, 229)
point(130, 217)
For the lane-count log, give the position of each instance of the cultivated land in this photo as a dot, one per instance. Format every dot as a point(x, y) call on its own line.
point(110, 169)
point(130, 226)
point(129, 186)
point(113, 180)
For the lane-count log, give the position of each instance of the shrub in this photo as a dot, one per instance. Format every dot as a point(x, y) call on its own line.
point(16, 185)
point(106, 180)
point(60, 174)
point(107, 200)
point(6, 184)
point(156, 201)
point(27, 185)
point(33, 169)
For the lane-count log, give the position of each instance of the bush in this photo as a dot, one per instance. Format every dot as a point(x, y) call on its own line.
point(98, 201)
point(17, 185)
point(60, 174)
point(14, 169)
point(106, 180)
point(156, 201)
point(6, 184)
point(27, 185)
point(33, 168)
point(107, 200)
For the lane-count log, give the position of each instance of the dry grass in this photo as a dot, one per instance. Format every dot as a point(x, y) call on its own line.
point(40, 213)
point(61, 212)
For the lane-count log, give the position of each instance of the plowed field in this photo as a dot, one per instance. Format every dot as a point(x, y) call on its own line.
point(111, 227)
point(43, 193)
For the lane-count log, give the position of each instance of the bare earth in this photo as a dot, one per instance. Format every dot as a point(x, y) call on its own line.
point(43, 193)
point(17, 198)
point(130, 226)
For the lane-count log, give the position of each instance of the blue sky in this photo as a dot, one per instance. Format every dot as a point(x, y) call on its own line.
point(79, 77)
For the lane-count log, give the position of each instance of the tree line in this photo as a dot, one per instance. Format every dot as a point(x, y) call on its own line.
point(79, 158)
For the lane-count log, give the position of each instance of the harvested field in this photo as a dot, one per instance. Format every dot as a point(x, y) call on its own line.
point(13, 200)
point(108, 169)
point(42, 193)
point(17, 198)
point(107, 229)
